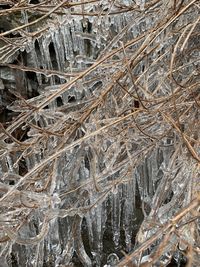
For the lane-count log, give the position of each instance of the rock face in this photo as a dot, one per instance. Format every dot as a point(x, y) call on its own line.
point(99, 132)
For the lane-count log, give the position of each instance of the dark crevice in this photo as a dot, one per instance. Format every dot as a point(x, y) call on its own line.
point(59, 101)
point(53, 56)
point(34, 2)
point(71, 99)
point(5, 6)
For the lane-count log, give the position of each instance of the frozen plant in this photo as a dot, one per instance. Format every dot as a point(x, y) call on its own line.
point(99, 141)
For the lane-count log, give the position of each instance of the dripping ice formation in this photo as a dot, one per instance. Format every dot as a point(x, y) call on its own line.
point(94, 161)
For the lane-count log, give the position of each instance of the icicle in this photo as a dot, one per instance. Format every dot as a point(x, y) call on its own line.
point(36, 64)
point(74, 38)
point(128, 215)
point(65, 32)
point(54, 238)
point(96, 220)
point(10, 163)
point(115, 217)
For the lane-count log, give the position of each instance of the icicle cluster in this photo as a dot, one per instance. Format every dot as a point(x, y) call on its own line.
point(102, 149)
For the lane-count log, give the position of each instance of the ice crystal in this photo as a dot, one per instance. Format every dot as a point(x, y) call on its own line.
point(99, 150)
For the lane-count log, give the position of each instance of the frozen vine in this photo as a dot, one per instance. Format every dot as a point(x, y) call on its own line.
point(100, 147)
